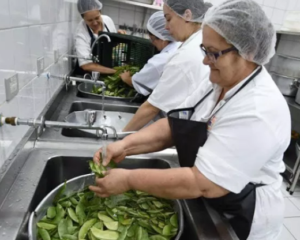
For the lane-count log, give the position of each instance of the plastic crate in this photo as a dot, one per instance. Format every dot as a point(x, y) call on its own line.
point(123, 50)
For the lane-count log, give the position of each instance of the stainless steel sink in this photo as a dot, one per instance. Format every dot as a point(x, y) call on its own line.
point(65, 168)
point(118, 115)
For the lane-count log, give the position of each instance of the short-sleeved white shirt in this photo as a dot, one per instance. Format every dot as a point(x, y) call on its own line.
point(83, 38)
point(181, 75)
point(152, 71)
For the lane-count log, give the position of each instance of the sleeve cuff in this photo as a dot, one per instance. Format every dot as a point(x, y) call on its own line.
point(157, 105)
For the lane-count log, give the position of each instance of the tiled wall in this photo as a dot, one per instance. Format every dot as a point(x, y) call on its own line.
point(285, 14)
point(30, 29)
point(127, 14)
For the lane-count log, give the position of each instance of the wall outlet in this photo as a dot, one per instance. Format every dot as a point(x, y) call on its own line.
point(40, 65)
point(56, 56)
point(11, 87)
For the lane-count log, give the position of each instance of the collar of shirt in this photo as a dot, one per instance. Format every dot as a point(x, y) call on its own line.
point(192, 38)
point(232, 91)
point(169, 47)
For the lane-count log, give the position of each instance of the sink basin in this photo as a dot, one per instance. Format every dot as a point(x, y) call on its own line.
point(116, 115)
point(60, 169)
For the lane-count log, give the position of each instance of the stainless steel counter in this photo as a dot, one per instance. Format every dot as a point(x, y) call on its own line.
point(21, 181)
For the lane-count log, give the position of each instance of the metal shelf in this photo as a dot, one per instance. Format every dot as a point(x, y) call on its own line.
point(139, 4)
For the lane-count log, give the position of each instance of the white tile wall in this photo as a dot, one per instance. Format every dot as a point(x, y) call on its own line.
point(31, 29)
point(4, 14)
point(18, 13)
point(34, 11)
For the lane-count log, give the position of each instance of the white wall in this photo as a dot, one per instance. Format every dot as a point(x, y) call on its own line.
point(30, 29)
point(284, 14)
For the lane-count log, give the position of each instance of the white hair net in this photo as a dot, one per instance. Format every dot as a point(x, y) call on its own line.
point(88, 5)
point(245, 25)
point(197, 7)
point(156, 25)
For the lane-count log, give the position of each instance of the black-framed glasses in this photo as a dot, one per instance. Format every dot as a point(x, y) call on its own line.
point(213, 56)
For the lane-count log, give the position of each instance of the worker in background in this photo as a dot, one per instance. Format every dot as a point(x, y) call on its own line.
point(87, 31)
point(147, 79)
point(185, 69)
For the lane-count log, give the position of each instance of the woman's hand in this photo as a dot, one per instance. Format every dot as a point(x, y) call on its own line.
point(120, 31)
point(126, 78)
point(114, 182)
point(114, 151)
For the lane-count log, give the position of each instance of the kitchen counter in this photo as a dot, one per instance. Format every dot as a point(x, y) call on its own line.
point(21, 184)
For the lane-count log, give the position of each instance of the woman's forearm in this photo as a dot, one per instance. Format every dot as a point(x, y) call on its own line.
point(154, 138)
point(178, 183)
point(90, 67)
point(144, 115)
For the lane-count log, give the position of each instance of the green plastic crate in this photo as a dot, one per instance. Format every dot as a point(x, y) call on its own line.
point(123, 50)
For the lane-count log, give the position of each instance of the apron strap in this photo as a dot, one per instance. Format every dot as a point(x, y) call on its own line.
point(202, 99)
point(145, 87)
point(244, 85)
point(91, 35)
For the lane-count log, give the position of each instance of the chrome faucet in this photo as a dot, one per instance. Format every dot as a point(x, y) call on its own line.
point(97, 39)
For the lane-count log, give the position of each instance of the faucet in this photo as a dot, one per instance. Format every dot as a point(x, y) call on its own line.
point(69, 79)
point(41, 124)
point(97, 39)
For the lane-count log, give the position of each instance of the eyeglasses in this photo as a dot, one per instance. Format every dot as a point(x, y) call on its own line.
point(213, 56)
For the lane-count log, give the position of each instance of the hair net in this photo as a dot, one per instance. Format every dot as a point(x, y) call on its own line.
point(197, 7)
point(156, 25)
point(244, 24)
point(88, 5)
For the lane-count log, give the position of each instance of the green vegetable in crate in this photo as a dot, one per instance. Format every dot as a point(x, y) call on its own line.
point(133, 215)
point(115, 87)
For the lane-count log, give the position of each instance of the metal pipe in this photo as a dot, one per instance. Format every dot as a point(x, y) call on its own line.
point(53, 124)
point(76, 79)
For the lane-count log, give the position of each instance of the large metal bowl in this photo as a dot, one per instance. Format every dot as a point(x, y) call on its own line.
point(75, 185)
point(85, 90)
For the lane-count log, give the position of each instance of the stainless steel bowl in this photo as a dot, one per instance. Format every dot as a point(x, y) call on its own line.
point(85, 90)
point(75, 185)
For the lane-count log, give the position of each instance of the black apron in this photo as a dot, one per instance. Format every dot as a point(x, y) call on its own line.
point(188, 136)
point(78, 70)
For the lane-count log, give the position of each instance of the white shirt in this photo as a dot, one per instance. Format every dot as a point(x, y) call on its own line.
point(246, 142)
point(83, 38)
point(152, 71)
point(181, 75)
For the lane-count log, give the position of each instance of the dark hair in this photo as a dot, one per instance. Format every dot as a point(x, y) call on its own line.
point(152, 34)
point(82, 15)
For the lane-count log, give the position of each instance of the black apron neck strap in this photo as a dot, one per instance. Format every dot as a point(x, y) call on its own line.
point(202, 99)
point(93, 39)
point(244, 85)
point(106, 28)
point(144, 87)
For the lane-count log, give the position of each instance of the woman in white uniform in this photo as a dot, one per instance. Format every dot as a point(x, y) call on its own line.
point(146, 80)
point(185, 70)
point(87, 31)
point(230, 135)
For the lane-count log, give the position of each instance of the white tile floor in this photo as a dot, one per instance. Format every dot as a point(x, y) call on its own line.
point(291, 229)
